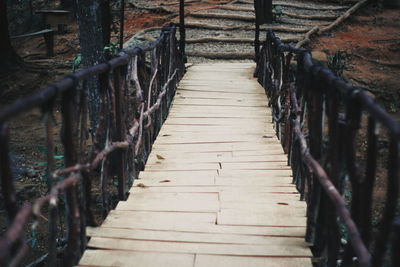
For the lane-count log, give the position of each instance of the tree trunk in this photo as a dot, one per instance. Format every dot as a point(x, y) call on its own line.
point(91, 37)
point(8, 56)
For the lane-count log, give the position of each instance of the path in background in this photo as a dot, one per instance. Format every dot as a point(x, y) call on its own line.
point(216, 190)
point(226, 31)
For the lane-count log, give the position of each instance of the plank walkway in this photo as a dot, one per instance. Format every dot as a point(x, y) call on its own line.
point(216, 190)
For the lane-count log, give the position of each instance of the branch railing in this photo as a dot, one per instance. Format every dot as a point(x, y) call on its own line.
point(136, 89)
point(343, 166)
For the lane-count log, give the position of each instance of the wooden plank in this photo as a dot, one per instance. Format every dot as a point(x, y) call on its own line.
point(209, 90)
point(182, 94)
point(235, 188)
point(193, 237)
point(219, 147)
point(221, 102)
point(165, 165)
point(258, 197)
point(189, 113)
point(278, 231)
point(243, 181)
point(294, 247)
point(214, 158)
point(217, 129)
point(216, 188)
point(264, 209)
point(274, 173)
point(243, 217)
point(217, 138)
point(299, 206)
point(240, 261)
point(129, 258)
point(148, 219)
point(218, 121)
point(200, 175)
point(186, 202)
point(172, 179)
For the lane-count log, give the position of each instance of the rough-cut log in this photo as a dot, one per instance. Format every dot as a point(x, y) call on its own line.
point(347, 14)
point(158, 9)
point(289, 14)
point(223, 16)
point(307, 37)
point(177, 3)
point(189, 2)
point(231, 40)
point(198, 25)
point(236, 8)
point(219, 39)
point(303, 16)
point(221, 55)
point(301, 6)
point(252, 18)
point(297, 5)
point(277, 28)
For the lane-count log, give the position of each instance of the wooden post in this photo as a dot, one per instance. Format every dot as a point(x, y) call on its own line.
point(257, 42)
point(268, 10)
point(263, 10)
point(49, 40)
point(121, 25)
point(182, 30)
point(119, 85)
point(73, 216)
point(7, 183)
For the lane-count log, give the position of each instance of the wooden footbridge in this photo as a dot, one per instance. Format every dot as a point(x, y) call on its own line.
point(278, 163)
point(216, 189)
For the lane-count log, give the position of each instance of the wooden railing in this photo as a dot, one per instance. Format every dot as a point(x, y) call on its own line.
point(344, 167)
point(136, 89)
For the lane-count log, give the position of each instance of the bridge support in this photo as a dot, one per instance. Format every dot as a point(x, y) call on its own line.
point(263, 10)
point(182, 30)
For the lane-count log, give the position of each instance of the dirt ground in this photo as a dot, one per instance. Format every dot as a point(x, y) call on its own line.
point(370, 41)
point(371, 45)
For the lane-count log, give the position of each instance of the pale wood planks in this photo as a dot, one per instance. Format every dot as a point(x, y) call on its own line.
point(232, 261)
point(216, 190)
point(135, 258)
point(292, 247)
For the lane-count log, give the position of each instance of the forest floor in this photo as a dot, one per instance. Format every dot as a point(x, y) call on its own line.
point(369, 42)
point(370, 47)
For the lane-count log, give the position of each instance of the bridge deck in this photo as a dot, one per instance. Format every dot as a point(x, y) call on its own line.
point(216, 190)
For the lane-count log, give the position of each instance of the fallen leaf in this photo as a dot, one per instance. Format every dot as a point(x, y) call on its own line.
point(266, 136)
point(165, 181)
point(282, 203)
point(160, 157)
point(141, 185)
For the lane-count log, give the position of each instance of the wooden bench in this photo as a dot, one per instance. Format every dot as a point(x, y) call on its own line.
point(48, 35)
point(57, 20)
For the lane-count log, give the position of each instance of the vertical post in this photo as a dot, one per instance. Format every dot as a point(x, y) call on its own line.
point(257, 42)
point(389, 212)
point(49, 123)
point(120, 131)
point(121, 25)
point(49, 40)
point(73, 251)
point(263, 10)
point(182, 30)
point(268, 11)
point(7, 183)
